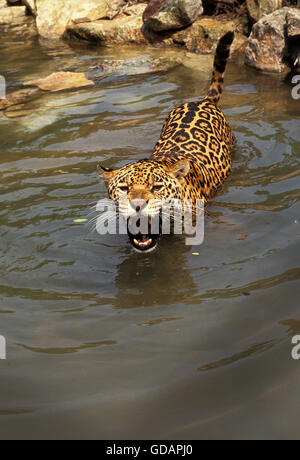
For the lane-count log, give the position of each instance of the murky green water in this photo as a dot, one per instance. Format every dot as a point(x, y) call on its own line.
point(105, 343)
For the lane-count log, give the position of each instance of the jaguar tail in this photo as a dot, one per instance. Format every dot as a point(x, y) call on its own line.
point(221, 58)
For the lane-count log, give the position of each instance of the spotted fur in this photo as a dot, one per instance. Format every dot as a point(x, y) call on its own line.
point(192, 158)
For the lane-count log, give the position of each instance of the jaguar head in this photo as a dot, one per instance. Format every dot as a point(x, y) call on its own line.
point(139, 189)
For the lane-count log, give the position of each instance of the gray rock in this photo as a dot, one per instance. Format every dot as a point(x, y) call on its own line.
point(293, 22)
point(267, 47)
point(171, 14)
point(259, 8)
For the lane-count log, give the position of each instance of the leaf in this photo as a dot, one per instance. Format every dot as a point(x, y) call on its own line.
point(243, 238)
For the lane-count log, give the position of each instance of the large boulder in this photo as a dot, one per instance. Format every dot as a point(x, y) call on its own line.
point(53, 16)
point(201, 37)
point(259, 8)
point(122, 31)
point(293, 22)
point(12, 15)
point(171, 14)
point(268, 45)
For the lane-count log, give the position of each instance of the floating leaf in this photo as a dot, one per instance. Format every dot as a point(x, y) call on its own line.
point(243, 238)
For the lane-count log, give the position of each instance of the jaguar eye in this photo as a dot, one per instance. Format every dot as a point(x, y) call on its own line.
point(124, 188)
point(157, 188)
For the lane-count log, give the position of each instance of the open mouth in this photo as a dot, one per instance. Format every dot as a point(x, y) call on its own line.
point(144, 242)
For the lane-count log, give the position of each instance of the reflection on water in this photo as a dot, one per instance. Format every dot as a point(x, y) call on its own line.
point(154, 280)
point(293, 326)
point(64, 350)
point(83, 351)
point(259, 348)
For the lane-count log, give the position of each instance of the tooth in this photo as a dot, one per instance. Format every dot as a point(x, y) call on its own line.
point(142, 243)
point(146, 243)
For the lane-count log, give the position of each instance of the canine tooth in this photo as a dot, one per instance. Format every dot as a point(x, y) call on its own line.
point(136, 242)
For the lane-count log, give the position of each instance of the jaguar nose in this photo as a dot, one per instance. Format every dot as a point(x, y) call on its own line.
point(138, 205)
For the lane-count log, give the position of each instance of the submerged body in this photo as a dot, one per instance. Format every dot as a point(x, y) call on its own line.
point(190, 161)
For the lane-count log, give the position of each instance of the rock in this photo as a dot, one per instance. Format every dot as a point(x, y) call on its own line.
point(259, 8)
point(171, 14)
point(53, 16)
point(61, 80)
point(12, 15)
point(17, 97)
point(201, 37)
point(267, 46)
point(293, 22)
point(135, 10)
point(24, 30)
point(16, 111)
point(81, 20)
point(122, 30)
point(138, 65)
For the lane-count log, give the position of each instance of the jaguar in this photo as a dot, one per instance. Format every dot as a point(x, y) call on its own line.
point(191, 160)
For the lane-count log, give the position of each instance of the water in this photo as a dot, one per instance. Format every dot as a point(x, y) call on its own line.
point(105, 343)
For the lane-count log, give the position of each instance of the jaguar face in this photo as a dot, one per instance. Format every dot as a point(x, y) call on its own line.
point(138, 189)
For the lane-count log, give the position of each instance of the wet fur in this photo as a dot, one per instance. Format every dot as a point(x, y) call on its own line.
point(192, 157)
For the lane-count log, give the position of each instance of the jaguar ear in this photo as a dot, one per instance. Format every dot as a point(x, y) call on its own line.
point(180, 169)
point(106, 173)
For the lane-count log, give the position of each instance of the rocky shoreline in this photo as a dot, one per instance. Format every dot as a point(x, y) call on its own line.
point(267, 31)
